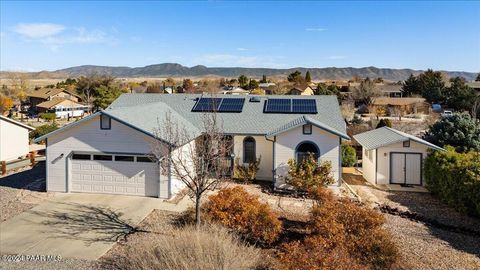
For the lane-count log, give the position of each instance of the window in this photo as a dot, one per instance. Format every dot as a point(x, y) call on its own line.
point(81, 156)
point(102, 157)
point(249, 154)
point(406, 144)
point(144, 159)
point(307, 129)
point(105, 122)
point(305, 149)
point(124, 158)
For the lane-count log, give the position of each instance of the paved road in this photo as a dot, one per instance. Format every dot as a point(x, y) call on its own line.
point(75, 225)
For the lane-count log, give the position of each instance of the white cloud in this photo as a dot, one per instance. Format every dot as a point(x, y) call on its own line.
point(38, 30)
point(336, 57)
point(242, 49)
point(315, 29)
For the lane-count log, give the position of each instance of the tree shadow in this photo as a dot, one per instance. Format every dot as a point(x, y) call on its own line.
point(32, 179)
point(91, 224)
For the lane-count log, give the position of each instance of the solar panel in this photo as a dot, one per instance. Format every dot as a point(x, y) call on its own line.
point(304, 106)
point(207, 105)
point(278, 105)
point(232, 105)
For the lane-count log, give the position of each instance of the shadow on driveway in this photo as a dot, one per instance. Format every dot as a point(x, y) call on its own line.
point(32, 179)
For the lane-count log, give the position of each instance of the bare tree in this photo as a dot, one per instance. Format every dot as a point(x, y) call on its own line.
point(197, 160)
point(366, 92)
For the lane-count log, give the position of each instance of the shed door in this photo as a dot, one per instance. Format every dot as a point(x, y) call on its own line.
point(406, 168)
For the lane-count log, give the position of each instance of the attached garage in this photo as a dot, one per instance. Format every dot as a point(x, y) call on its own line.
point(390, 156)
point(126, 174)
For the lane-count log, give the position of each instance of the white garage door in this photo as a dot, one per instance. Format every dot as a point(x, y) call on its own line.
point(114, 174)
point(406, 168)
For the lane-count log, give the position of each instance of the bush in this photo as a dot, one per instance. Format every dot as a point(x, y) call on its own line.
point(356, 120)
point(248, 172)
point(210, 247)
point(242, 212)
point(309, 174)
point(384, 123)
point(343, 228)
point(349, 156)
point(455, 179)
point(42, 130)
point(48, 116)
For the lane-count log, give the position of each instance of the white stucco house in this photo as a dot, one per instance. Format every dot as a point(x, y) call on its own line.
point(390, 156)
point(110, 151)
point(13, 139)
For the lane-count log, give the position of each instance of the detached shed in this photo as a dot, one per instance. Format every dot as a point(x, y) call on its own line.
point(390, 156)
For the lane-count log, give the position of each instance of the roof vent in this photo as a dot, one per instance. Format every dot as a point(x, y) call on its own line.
point(255, 99)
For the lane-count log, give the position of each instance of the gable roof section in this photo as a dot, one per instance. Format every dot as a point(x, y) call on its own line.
point(302, 121)
point(55, 101)
point(47, 92)
point(16, 122)
point(384, 136)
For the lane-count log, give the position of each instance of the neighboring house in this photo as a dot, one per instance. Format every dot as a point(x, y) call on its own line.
point(475, 85)
point(236, 91)
point(13, 139)
point(266, 85)
point(393, 157)
point(46, 94)
point(303, 91)
point(390, 90)
point(63, 108)
point(109, 151)
point(406, 105)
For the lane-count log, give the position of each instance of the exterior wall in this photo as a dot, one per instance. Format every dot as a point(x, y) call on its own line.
point(383, 163)
point(13, 141)
point(65, 95)
point(184, 154)
point(307, 92)
point(88, 137)
point(368, 165)
point(286, 143)
point(78, 109)
point(263, 150)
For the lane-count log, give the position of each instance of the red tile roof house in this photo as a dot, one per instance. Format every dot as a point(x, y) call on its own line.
point(108, 152)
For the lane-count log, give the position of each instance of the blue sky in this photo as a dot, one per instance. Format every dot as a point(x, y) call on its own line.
point(52, 35)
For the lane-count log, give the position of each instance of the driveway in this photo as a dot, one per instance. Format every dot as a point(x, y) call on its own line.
point(77, 225)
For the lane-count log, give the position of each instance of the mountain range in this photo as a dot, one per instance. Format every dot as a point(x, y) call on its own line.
point(177, 70)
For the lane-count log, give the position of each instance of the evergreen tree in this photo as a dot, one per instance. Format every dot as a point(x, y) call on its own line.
point(410, 87)
point(431, 85)
point(264, 79)
point(308, 77)
point(478, 78)
point(243, 81)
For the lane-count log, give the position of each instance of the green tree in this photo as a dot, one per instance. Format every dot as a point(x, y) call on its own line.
point(410, 87)
point(243, 81)
point(295, 77)
point(42, 130)
point(478, 78)
point(308, 77)
point(459, 130)
point(349, 156)
point(459, 95)
point(253, 84)
point(431, 85)
point(106, 95)
point(384, 123)
point(264, 79)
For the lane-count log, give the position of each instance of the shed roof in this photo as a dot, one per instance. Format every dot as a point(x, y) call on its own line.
point(384, 136)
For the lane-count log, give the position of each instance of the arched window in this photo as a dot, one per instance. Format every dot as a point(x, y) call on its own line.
point(304, 149)
point(249, 150)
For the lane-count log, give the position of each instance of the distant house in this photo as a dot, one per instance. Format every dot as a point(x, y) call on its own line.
point(266, 85)
point(46, 94)
point(63, 108)
point(387, 90)
point(475, 85)
point(299, 90)
point(236, 91)
point(409, 105)
point(14, 142)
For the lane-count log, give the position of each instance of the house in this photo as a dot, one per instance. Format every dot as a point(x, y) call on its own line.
point(14, 139)
point(299, 90)
point(62, 107)
point(390, 156)
point(405, 105)
point(236, 91)
point(45, 94)
point(386, 90)
point(109, 151)
point(266, 85)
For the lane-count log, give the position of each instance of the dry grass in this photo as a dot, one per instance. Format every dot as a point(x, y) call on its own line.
point(210, 247)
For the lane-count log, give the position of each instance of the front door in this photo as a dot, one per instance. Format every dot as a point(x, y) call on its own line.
point(406, 168)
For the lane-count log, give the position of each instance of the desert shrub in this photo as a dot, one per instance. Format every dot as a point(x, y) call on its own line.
point(242, 212)
point(349, 156)
point(455, 179)
point(356, 120)
point(209, 247)
point(247, 173)
point(384, 123)
point(42, 130)
point(48, 116)
point(309, 174)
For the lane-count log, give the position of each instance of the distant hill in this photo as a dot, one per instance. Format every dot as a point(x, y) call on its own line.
point(177, 70)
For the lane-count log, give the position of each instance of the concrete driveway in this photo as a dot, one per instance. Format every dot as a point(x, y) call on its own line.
point(75, 225)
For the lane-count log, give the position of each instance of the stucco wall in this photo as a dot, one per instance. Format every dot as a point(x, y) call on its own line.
point(328, 144)
point(383, 163)
point(263, 150)
point(368, 165)
point(13, 141)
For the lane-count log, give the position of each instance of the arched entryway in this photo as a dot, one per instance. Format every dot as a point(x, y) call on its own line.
point(304, 149)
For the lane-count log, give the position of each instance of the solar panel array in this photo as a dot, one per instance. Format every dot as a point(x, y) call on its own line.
point(219, 105)
point(287, 105)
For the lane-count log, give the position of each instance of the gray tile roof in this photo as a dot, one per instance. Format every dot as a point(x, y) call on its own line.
point(384, 136)
point(143, 110)
point(302, 120)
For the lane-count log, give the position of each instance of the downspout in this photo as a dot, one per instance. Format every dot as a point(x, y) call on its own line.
point(376, 165)
point(273, 159)
point(340, 172)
